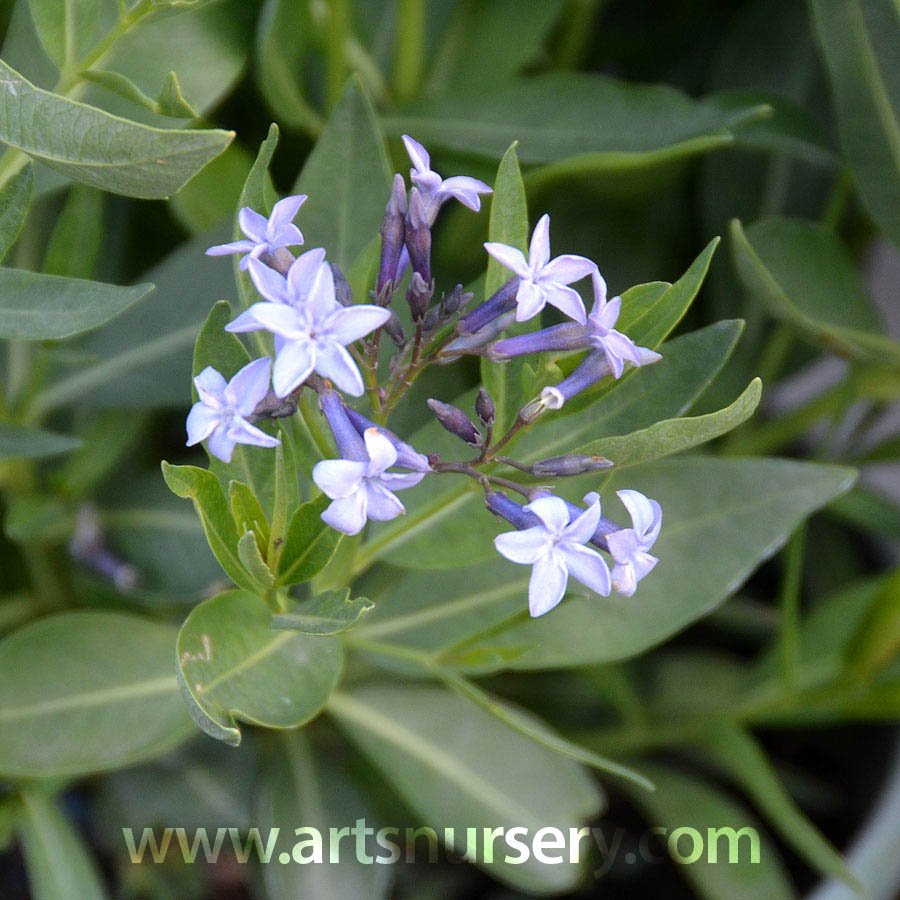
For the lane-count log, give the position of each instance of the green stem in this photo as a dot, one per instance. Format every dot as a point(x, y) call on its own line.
point(409, 49)
point(789, 603)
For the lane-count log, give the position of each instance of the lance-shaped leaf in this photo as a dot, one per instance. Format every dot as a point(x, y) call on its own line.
point(332, 612)
point(85, 692)
point(19, 442)
point(67, 30)
point(458, 767)
point(36, 307)
point(858, 40)
point(100, 149)
point(203, 488)
point(15, 197)
point(309, 543)
point(232, 666)
point(59, 864)
point(805, 277)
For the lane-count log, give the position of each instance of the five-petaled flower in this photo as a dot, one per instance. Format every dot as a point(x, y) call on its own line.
point(542, 280)
point(311, 328)
point(220, 416)
point(628, 547)
point(616, 346)
point(363, 489)
point(436, 190)
point(265, 236)
point(555, 548)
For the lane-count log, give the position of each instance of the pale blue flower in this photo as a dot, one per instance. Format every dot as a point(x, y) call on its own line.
point(264, 235)
point(436, 190)
point(220, 416)
point(554, 547)
point(311, 328)
point(542, 280)
point(363, 489)
point(628, 546)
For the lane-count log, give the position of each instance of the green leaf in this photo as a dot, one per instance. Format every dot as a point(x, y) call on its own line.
point(348, 179)
point(467, 56)
point(203, 488)
point(100, 149)
point(296, 785)
point(309, 544)
point(744, 509)
point(232, 666)
point(508, 225)
point(15, 198)
point(37, 307)
point(332, 612)
point(734, 859)
point(85, 692)
point(19, 442)
point(67, 30)
point(76, 241)
point(747, 764)
point(859, 43)
point(458, 767)
point(170, 101)
point(252, 559)
point(674, 435)
point(806, 278)
point(610, 125)
point(59, 863)
point(248, 514)
point(875, 642)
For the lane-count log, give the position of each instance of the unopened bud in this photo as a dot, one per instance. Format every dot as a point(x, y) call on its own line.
point(418, 296)
point(393, 228)
point(342, 290)
point(418, 236)
point(485, 408)
point(394, 330)
point(569, 464)
point(455, 421)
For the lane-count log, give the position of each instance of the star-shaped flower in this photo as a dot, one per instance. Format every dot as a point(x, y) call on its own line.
point(363, 489)
point(616, 346)
point(555, 548)
point(629, 546)
point(220, 416)
point(542, 280)
point(264, 235)
point(436, 190)
point(311, 330)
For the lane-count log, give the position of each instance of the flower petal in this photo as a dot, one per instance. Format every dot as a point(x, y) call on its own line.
point(588, 567)
point(548, 584)
point(283, 212)
point(552, 511)
point(523, 547)
point(417, 153)
point(246, 321)
point(464, 189)
point(347, 514)
point(336, 363)
point(530, 300)
point(382, 453)
point(244, 433)
point(623, 580)
point(201, 421)
point(320, 300)
point(338, 477)
point(293, 365)
point(646, 515)
point(249, 386)
point(210, 383)
point(271, 284)
point(581, 529)
point(302, 273)
point(382, 505)
point(623, 346)
point(539, 249)
point(565, 299)
point(350, 323)
point(221, 444)
point(287, 236)
point(568, 268)
point(511, 257)
point(233, 247)
point(598, 282)
point(623, 544)
point(398, 481)
point(253, 224)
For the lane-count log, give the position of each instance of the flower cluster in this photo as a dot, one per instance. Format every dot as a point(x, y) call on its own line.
point(325, 342)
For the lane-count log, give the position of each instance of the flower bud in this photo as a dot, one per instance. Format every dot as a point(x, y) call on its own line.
point(485, 408)
point(418, 236)
point(394, 330)
point(501, 301)
point(418, 296)
point(569, 464)
point(455, 421)
point(393, 229)
point(342, 291)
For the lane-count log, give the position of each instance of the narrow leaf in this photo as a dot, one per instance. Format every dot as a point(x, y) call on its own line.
point(19, 442)
point(309, 544)
point(15, 197)
point(332, 612)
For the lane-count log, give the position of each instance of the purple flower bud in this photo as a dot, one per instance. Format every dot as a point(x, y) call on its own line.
point(407, 456)
point(485, 408)
point(349, 442)
point(418, 296)
point(567, 336)
point(394, 330)
point(456, 300)
point(569, 464)
point(455, 421)
point(393, 229)
point(418, 236)
point(475, 343)
point(503, 300)
point(343, 293)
